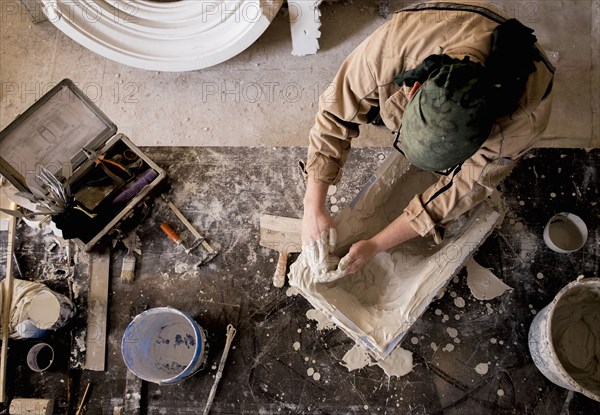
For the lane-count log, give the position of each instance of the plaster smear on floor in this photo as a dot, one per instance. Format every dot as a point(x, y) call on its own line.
point(377, 305)
point(323, 322)
point(483, 283)
point(398, 363)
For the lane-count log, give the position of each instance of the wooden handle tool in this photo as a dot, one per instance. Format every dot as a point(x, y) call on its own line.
point(171, 233)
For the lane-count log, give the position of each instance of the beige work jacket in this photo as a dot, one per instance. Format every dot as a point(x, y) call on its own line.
point(365, 86)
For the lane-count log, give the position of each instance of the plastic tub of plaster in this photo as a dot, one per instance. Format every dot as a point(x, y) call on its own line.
point(564, 338)
point(565, 233)
point(377, 305)
point(164, 345)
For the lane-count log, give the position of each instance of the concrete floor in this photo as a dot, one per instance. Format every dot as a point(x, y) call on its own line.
point(267, 97)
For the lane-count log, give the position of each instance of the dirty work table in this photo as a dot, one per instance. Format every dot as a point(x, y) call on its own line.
point(223, 191)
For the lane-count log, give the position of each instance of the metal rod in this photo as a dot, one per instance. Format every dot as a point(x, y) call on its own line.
point(83, 399)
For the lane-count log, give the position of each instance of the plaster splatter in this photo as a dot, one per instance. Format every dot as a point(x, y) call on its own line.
point(398, 363)
point(310, 371)
point(414, 340)
point(355, 358)
point(448, 348)
point(459, 302)
point(323, 322)
point(452, 332)
point(434, 347)
point(482, 368)
point(296, 346)
point(500, 392)
point(484, 285)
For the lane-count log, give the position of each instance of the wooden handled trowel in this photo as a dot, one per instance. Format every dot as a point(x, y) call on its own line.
point(283, 235)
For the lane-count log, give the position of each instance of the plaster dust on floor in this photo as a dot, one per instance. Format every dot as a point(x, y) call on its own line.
point(377, 305)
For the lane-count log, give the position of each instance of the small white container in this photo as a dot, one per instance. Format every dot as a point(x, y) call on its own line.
point(40, 357)
point(565, 233)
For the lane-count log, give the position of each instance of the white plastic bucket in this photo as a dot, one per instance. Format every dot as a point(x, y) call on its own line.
point(164, 345)
point(551, 333)
point(565, 233)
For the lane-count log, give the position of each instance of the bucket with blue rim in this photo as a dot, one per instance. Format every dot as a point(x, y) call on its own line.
point(164, 345)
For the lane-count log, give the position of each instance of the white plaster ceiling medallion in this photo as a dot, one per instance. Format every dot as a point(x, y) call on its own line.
point(171, 36)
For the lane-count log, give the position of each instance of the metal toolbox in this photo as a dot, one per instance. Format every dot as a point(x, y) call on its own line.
point(64, 144)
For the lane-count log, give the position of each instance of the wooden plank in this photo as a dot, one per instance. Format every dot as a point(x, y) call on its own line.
point(95, 356)
point(281, 233)
point(133, 394)
point(7, 291)
point(20, 406)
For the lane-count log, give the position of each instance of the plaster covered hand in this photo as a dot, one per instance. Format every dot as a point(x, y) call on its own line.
point(318, 225)
point(360, 254)
point(319, 253)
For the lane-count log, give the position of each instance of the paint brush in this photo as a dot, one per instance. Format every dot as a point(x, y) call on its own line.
point(128, 268)
point(133, 244)
point(230, 335)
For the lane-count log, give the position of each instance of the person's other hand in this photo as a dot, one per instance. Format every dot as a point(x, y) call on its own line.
point(360, 253)
point(318, 225)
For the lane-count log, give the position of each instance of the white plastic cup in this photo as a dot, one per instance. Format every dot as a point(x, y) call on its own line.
point(565, 233)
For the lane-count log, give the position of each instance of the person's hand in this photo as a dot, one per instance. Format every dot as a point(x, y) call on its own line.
point(319, 239)
point(318, 225)
point(360, 253)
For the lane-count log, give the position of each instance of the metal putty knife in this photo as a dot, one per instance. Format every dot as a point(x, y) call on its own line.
point(283, 235)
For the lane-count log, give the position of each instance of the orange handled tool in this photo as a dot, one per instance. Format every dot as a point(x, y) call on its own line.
point(171, 233)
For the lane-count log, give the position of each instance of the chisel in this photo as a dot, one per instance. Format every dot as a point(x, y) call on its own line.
point(174, 236)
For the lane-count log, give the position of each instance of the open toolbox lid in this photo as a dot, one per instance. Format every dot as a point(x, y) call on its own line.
point(51, 133)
